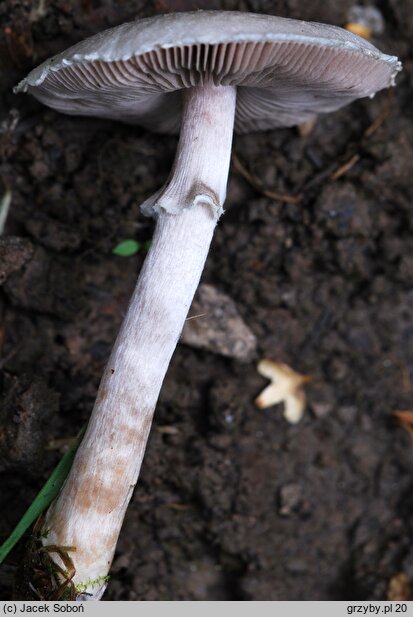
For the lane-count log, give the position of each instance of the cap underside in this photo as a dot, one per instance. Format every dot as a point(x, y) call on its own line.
point(281, 82)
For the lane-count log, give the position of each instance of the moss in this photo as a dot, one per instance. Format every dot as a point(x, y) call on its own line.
point(82, 587)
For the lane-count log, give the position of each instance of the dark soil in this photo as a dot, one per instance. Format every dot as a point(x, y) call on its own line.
point(255, 509)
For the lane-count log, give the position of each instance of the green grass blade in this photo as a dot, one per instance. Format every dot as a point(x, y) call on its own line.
point(46, 495)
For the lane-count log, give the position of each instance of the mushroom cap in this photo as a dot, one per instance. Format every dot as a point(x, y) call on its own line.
point(286, 70)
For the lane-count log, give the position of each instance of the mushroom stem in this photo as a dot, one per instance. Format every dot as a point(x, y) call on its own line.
point(89, 511)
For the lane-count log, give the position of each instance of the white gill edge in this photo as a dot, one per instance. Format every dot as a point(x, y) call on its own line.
point(37, 76)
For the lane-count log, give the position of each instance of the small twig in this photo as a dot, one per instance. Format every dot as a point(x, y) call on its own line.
point(177, 506)
point(369, 131)
point(196, 316)
point(345, 167)
point(351, 155)
point(332, 173)
point(256, 184)
point(168, 430)
point(376, 124)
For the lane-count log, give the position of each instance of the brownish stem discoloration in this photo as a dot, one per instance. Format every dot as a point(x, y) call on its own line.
point(89, 511)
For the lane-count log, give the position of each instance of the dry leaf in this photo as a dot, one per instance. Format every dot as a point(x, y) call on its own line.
point(286, 387)
point(366, 21)
point(405, 419)
point(359, 29)
point(399, 588)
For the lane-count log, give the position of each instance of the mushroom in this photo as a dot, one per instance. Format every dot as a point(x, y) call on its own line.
point(202, 72)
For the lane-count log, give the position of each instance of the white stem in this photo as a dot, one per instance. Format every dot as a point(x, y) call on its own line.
point(89, 511)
